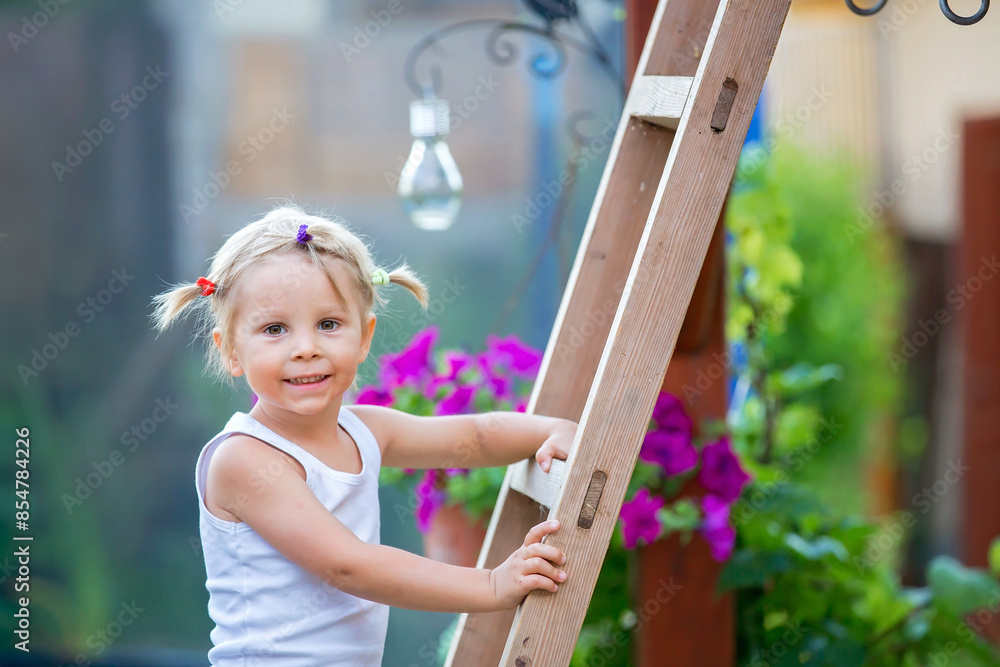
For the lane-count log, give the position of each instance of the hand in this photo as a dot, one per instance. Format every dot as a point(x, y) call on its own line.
point(531, 566)
point(557, 445)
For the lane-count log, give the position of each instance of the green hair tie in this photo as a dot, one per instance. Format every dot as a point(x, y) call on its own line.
point(380, 277)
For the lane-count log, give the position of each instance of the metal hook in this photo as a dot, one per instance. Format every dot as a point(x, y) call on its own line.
point(871, 10)
point(965, 20)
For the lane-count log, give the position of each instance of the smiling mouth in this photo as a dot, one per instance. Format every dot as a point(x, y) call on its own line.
point(313, 379)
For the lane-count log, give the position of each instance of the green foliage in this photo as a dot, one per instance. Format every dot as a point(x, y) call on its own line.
point(813, 585)
point(845, 308)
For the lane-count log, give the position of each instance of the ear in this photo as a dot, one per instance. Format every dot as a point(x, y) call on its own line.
point(366, 338)
point(232, 363)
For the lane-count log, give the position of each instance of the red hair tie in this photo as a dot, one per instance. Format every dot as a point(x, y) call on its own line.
point(207, 286)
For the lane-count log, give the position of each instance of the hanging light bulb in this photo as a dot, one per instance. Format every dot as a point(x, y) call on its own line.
point(429, 184)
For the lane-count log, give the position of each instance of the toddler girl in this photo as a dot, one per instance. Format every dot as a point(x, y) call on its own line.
point(288, 493)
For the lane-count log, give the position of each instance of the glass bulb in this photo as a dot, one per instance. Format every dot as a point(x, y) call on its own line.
point(429, 183)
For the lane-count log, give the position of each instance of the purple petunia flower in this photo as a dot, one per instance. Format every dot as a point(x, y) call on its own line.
point(522, 358)
point(501, 386)
point(457, 402)
point(373, 396)
point(671, 450)
point(638, 518)
point(412, 361)
point(721, 473)
point(669, 415)
point(715, 528)
point(429, 500)
point(456, 361)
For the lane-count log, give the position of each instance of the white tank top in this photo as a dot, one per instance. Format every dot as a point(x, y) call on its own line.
point(268, 610)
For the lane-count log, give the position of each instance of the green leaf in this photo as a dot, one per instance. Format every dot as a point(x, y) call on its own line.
point(816, 549)
point(960, 590)
point(994, 557)
point(747, 569)
point(802, 377)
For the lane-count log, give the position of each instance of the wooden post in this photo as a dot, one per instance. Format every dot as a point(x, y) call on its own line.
point(979, 250)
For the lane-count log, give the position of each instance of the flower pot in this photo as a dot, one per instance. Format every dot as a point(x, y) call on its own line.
point(454, 537)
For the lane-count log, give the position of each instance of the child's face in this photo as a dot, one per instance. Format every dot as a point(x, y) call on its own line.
point(297, 343)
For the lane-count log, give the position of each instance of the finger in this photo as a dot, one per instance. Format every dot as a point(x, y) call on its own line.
point(533, 581)
point(544, 460)
point(538, 532)
point(545, 568)
point(546, 551)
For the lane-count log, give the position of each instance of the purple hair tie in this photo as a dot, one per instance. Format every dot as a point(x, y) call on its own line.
point(302, 237)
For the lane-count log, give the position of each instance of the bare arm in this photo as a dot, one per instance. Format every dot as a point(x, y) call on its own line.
point(282, 509)
point(466, 441)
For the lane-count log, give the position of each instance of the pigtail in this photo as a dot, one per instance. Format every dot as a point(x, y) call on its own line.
point(405, 277)
point(170, 305)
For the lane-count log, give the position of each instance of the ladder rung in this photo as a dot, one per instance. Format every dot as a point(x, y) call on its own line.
point(528, 478)
point(659, 99)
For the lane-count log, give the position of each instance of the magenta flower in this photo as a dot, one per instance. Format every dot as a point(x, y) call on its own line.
point(638, 518)
point(413, 361)
point(669, 415)
point(429, 501)
point(524, 359)
point(373, 396)
point(457, 402)
point(501, 386)
point(721, 473)
point(715, 528)
point(456, 362)
point(671, 450)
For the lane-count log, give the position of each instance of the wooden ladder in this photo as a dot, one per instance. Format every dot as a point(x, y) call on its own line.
point(667, 176)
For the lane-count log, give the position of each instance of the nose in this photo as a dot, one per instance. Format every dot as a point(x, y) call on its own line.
point(304, 345)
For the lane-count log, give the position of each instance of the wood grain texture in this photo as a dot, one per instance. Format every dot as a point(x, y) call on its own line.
point(659, 99)
point(670, 254)
point(603, 268)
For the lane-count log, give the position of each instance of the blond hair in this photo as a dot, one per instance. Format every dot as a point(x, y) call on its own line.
point(276, 233)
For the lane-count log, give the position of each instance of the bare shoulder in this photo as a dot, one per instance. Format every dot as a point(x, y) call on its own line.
point(383, 422)
point(244, 466)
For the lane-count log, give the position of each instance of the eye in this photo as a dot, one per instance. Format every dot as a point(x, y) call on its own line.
point(328, 325)
point(273, 329)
